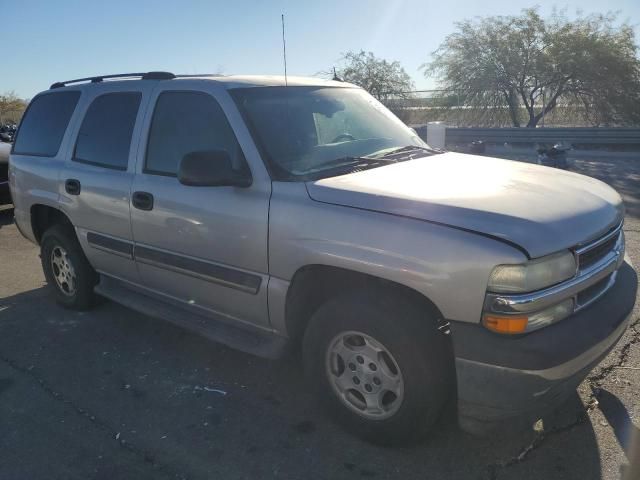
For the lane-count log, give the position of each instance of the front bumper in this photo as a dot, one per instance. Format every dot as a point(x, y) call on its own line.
point(501, 378)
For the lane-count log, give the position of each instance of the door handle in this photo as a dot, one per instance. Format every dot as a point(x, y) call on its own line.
point(72, 186)
point(142, 200)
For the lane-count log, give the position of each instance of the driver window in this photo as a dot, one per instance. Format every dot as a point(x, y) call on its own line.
point(185, 122)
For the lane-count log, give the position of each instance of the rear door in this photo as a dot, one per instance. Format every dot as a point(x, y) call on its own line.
point(205, 247)
point(39, 150)
point(96, 180)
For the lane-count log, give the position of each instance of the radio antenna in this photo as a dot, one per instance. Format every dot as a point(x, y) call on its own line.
point(284, 53)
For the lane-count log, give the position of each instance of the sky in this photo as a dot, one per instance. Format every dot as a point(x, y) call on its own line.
point(54, 40)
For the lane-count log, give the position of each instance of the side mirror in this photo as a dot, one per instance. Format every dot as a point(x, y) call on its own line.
point(210, 168)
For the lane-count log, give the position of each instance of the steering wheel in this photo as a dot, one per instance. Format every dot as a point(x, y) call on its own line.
point(343, 136)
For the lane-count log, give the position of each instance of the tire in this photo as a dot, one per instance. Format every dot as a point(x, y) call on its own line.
point(61, 242)
point(421, 353)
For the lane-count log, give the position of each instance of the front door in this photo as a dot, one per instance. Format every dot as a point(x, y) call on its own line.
point(205, 247)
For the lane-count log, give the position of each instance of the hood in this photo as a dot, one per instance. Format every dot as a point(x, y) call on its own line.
point(541, 209)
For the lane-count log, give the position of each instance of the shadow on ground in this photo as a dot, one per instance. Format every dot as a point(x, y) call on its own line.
point(177, 405)
point(6, 216)
point(627, 434)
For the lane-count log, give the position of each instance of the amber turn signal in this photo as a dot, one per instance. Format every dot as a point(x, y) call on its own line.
point(505, 324)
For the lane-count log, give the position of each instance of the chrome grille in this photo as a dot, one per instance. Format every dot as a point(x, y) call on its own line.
point(595, 252)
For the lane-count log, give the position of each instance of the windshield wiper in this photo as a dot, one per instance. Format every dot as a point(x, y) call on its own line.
point(408, 150)
point(348, 163)
point(349, 160)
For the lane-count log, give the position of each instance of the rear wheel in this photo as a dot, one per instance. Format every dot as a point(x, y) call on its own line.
point(66, 268)
point(380, 365)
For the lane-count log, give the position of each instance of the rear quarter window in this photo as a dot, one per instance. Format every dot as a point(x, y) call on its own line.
point(44, 124)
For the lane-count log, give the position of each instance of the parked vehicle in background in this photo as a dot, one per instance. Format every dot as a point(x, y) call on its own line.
point(7, 132)
point(556, 156)
point(477, 147)
point(268, 214)
point(5, 196)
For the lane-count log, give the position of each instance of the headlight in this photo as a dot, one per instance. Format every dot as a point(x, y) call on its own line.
point(530, 277)
point(523, 323)
point(534, 275)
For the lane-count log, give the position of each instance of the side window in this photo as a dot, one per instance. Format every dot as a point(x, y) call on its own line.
point(185, 122)
point(105, 134)
point(44, 124)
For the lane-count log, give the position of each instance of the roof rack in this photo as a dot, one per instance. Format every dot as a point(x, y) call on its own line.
point(98, 79)
point(196, 75)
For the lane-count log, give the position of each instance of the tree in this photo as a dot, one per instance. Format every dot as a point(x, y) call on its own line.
point(530, 64)
point(11, 108)
point(379, 77)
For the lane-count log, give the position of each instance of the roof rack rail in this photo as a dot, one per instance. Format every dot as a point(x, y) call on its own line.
point(195, 75)
point(98, 79)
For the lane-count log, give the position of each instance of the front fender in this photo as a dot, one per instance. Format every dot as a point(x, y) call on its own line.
point(451, 267)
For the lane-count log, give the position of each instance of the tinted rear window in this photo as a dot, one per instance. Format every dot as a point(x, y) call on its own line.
point(44, 124)
point(105, 135)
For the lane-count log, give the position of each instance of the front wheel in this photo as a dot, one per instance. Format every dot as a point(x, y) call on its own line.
point(380, 365)
point(66, 268)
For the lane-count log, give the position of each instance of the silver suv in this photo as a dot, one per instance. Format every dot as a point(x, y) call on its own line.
point(268, 213)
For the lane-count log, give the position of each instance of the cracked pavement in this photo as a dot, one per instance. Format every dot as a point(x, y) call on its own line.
point(114, 394)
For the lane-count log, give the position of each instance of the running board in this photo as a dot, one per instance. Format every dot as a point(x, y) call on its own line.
point(262, 344)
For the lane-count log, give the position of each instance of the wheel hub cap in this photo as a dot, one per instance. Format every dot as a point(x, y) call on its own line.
point(364, 375)
point(63, 271)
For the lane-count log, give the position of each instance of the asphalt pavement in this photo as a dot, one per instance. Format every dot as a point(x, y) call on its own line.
point(112, 394)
